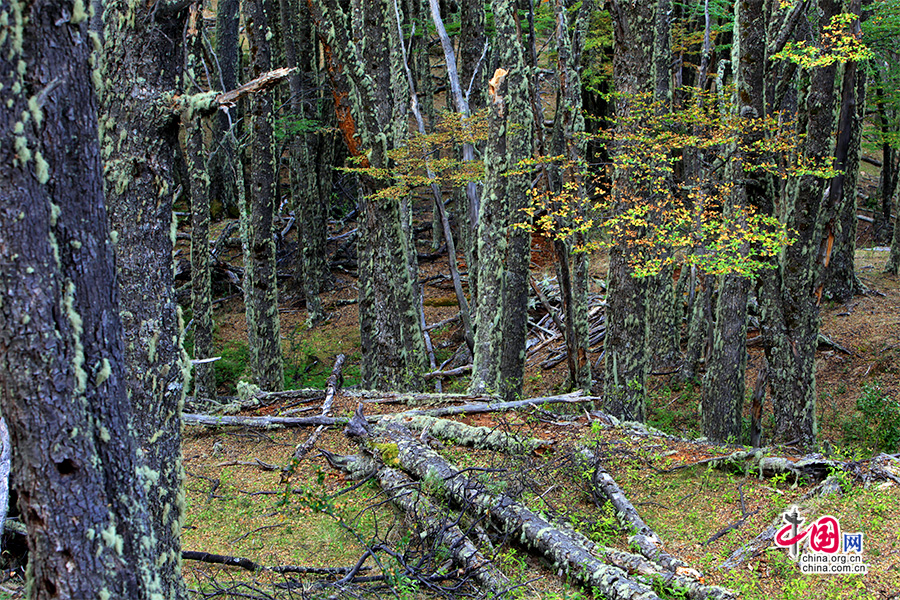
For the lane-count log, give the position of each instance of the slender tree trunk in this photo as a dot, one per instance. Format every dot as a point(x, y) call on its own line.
point(504, 250)
point(140, 68)
point(373, 118)
point(224, 156)
point(663, 345)
point(192, 146)
point(893, 264)
point(839, 275)
point(568, 141)
point(312, 229)
point(626, 356)
point(82, 489)
point(258, 216)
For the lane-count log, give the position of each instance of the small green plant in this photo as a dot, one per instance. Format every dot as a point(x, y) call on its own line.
point(233, 365)
point(877, 428)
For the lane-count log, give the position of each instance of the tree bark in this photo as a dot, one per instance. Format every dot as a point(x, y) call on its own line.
point(82, 489)
point(626, 358)
point(192, 147)
point(258, 215)
point(139, 131)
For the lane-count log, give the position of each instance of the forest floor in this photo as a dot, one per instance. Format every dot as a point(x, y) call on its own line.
point(246, 497)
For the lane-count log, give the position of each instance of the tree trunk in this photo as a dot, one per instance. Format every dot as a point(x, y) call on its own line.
point(568, 141)
point(258, 216)
point(791, 295)
point(393, 349)
point(723, 387)
point(192, 147)
point(223, 160)
point(504, 250)
point(82, 490)
point(839, 275)
point(140, 70)
point(893, 264)
point(626, 357)
point(308, 204)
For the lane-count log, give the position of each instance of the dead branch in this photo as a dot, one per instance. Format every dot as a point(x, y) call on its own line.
point(264, 82)
point(643, 536)
point(335, 380)
point(467, 435)
point(249, 565)
point(447, 373)
point(565, 548)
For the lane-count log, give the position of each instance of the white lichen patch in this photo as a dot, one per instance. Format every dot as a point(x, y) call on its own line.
point(104, 370)
point(112, 539)
point(77, 330)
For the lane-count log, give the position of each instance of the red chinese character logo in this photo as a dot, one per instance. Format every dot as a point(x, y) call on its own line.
point(824, 535)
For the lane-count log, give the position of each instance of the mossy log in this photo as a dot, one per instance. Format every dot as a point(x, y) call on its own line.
point(565, 548)
point(434, 523)
point(263, 422)
point(468, 435)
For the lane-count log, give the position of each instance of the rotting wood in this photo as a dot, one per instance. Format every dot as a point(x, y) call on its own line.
point(467, 435)
point(565, 548)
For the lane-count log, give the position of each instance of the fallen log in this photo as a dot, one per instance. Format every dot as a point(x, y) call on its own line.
point(757, 545)
point(487, 407)
point(811, 468)
point(271, 422)
point(432, 521)
point(642, 536)
point(262, 422)
point(467, 435)
point(566, 549)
